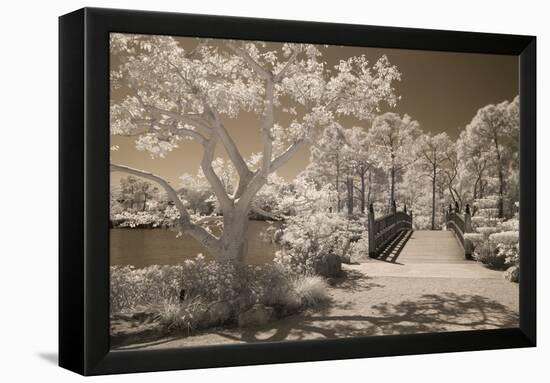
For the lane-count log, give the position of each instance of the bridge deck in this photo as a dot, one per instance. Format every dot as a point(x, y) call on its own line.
point(430, 254)
point(432, 247)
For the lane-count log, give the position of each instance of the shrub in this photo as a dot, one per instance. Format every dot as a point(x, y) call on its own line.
point(508, 238)
point(509, 225)
point(496, 249)
point(132, 288)
point(360, 249)
point(183, 316)
point(305, 240)
point(312, 290)
point(269, 285)
point(487, 230)
point(149, 218)
point(488, 255)
point(214, 293)
point(476, 238)
point(424, 222)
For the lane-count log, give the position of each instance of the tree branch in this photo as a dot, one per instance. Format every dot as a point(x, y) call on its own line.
point(259, 210)
point(212, 177)
point(191, 119)
point(279, 76)
point(267, 124)
point(233, 152)
point(261, 71)
point(283, 158)
point(183, 132)
point(196, 231)
point(209, 218)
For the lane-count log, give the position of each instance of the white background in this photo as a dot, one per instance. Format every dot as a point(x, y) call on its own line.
point(28, 207)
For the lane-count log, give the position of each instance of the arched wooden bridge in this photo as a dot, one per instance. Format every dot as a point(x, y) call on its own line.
point(390, 238)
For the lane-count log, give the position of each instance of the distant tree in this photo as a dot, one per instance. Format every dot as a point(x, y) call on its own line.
point(475, 160)
point(327, 164)
point(413, 187)
point(361, 162)
point(433, 156)
point(135, 193)
point(196, 194)
point(451, 172)
point(392, 139)
point(497, 126)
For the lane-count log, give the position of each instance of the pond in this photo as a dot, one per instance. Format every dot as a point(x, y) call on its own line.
point(145, 247)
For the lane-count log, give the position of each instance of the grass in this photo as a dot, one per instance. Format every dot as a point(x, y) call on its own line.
point(183, 316)
point(312, 290)
point(213, 299)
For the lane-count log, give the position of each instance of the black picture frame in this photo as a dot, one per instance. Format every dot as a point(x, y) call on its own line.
point(84, 190)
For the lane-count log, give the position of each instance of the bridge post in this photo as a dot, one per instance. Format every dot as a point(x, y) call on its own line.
point(371, 233)
point(468, 246)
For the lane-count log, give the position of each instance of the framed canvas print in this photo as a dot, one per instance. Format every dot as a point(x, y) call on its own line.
point(242, 191)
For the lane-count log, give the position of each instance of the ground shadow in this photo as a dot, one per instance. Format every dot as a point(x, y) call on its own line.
point(353, 281)
point(391, 254)
point(442, 312)
point(430, 313)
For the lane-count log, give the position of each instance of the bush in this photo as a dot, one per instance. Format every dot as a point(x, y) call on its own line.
point(306, 240)
point(183, 316)
point(509, 225)
point(148, 218)
point(508, 238)
point(360, 249)
point(312, 290)
point(424, 222)
point(213, 293)
point(132, 288)
point(269, 285)
point(488, 255)
point(498, 250)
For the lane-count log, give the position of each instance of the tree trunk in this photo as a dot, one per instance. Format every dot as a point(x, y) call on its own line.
point(234, 239)
point(144, 201)
point(362, 192)
point(500, 179)
point(433, 197)
point(349, 184)
point(500, 192)
point(338, 182)
point(392, 190)
point(370, 189)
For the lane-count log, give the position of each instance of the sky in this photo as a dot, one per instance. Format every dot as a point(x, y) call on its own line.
point(440, 90)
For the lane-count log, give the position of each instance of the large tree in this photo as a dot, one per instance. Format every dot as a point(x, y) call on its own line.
point(175, 94)
point(359, 158)
point(327, 163)
point(434, 151)
point(392, 138)
point(497, 126)
point(475, 160)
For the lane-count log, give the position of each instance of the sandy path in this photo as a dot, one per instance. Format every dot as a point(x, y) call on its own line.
point(413, 295)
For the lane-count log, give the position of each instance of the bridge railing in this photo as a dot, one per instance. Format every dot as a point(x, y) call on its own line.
point(461, 224)
point(384, 229)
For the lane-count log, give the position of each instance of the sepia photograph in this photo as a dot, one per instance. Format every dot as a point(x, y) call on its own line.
point(277, 191)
